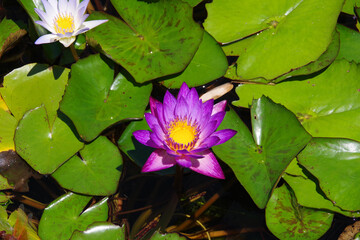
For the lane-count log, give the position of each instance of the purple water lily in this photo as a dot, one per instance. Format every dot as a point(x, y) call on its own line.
point(183, 130)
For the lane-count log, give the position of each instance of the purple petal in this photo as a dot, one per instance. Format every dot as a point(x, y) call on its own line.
point(153, 102)
point(169, 106)
point(218, 117)
point(158, 142)
point(144, 137)
point(45, 25)
point(184, 161)
point(158, 160)
point(219, 107)
point(208, 142)
point(209, 128)
point(184, 90)
point(224, 135)
point(151, 120)
point(206, 110)
point(160, 115)
point(208, 165)
point(195, 105)
point(182, 108)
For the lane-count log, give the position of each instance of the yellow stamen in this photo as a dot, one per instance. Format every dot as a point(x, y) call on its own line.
point(64, 23)
point(181, 135)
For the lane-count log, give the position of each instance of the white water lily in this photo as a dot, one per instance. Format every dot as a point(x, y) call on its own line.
point(65, 20)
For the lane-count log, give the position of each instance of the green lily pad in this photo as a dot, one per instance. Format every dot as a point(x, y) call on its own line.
point(7, 130)
point(66, 214)
point(335, 163)
point(31, 86)
point(157, 38)
point(193, 3)
point(10, 33)
point(127, 143)
point(258, 161)
point(349, 6)
point(208, 64)
point(275, 32)
point(349, 44)
point(4, 184)
point(94, 100)
point(43, 147)
point(286, 219)
point(171, 236)
point(101, 230)
point(307, 190)
point(326, 104)
point(4, 224)
point(97, 172)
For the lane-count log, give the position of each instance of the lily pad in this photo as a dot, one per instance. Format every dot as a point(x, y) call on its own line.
point(349, 44)
point(97, 172)
point(10, 33)
point(4, 184)
point(157, 39)
point(307, 190)
point(258, 161)
point(349, 6)
point(66, 214)
point(101, 230)
point(336, 164)
point(34, 85)
point(286, 219)
point(7, 130)
point(171, 236)
point(326, 104)
point(273, 30)
point(208, 64)
point(43, 147)
point(94, 100)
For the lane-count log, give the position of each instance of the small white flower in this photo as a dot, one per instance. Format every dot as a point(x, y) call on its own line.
point(65, 20)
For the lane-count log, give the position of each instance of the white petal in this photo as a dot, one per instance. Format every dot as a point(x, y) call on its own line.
point(67, 41)
point(54, 4)
point(45, 25)
point(93, 23)
point(48, 38)
point(80, 31)
point(83, 4)
point(63, 5)
point(50, 11)
point(72, 6)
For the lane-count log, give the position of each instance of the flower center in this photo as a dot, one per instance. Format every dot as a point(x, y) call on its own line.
point(64, 23)
point(181, 135)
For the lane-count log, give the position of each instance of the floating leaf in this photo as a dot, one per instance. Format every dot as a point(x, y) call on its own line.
point(336, 164)
point(157, 38)
point(31, 86)
point(66, 214)
point(349, 44)
point(101, 230)
point(10, 33)
point(349, 6)
point(208, 64)
point(43, 147)
point(171, 236)
point(259, 160)
point(4, 224)
point(307, 190)
point(97, 172)
point(94, 100)
point(286, 219)
point(326, 104)
point(4, 184)
point(272, 44)
point(7, 130)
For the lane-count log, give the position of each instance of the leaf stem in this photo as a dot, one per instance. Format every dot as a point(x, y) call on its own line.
point(74, 53)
